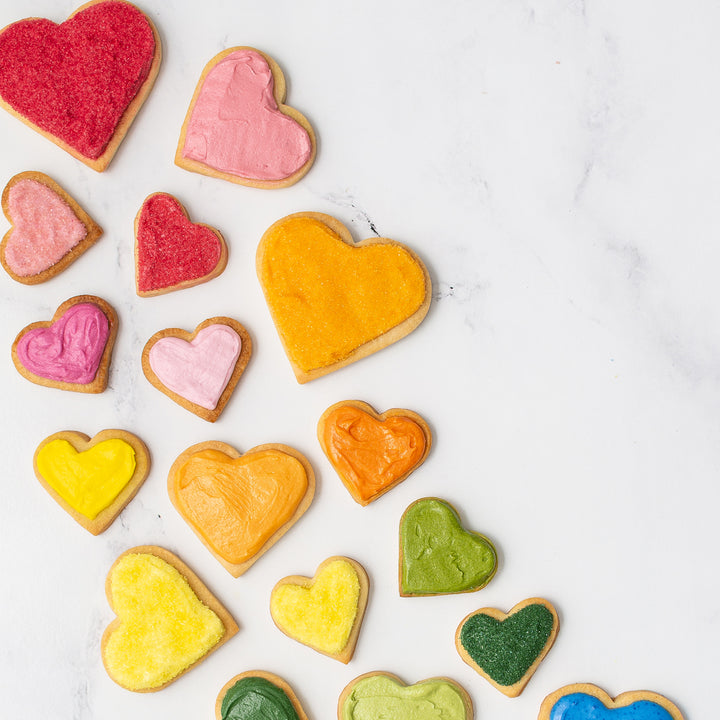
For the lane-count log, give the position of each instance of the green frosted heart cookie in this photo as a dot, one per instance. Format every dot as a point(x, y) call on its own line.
point(437, 555)
point(258, 694)
point(378, 696)
point(507, 648)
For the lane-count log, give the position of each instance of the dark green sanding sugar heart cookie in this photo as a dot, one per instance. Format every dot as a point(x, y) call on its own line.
point(506, 649)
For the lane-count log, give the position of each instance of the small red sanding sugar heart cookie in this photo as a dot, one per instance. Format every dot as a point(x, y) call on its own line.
point(49, 229)
point(171, 252)
point(80, 83)
point(237, 127)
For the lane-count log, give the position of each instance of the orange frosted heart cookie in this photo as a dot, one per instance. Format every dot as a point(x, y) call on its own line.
point(92, 479)
point(239, 129)
point(372, 452)
point(167, 620)
point(334, 301)
point(240, 505)
point(324, 612)
point(80, 83)
point(257, 694)
point(73, 350)
point(198, 370)
point(49, 229)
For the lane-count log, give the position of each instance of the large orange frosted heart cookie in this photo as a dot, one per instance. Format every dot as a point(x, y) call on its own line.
point(167, 620)
point(372, 452)
point(334, 301)
point(240, 505)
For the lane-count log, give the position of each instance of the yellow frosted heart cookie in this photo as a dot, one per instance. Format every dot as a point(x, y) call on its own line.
point(334, 301)
point(167, 620)
point(324, 612)
point(92, 480)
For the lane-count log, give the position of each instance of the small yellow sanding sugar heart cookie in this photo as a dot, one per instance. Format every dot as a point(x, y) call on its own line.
point(167, 620)
point(324, 612)
point(334, 301)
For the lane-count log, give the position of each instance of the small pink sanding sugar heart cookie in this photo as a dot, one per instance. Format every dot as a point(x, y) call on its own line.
point(198, 370)
point(49, 229)
point(171, 252)
point(237, 127)
point(72, 351)
point(81, 83)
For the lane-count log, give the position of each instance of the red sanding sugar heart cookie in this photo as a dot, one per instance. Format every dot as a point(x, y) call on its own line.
point(80, 83)
point(172, 253)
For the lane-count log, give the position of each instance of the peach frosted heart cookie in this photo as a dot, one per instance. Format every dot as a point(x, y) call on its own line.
point(372, 452)
point(506, 648)
point(324, 612)
point(240, 505)
point(49, 229)
point(198, 370)
point(80, 83)
point(171, 252)
point(334, 301)
point(438, 556)
point(258, 694)
point(92, 479)
point(237, 127)
point(584, 701)
point(380, 695)
point(167, 620)
point(73, 350)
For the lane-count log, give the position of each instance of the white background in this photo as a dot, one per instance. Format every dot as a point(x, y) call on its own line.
point(555, 164)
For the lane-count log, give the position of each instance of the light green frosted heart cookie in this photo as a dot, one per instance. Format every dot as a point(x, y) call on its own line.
point(377, 696)
point(437, 555)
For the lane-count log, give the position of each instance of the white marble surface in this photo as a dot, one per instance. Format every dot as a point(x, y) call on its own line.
point(555, 163)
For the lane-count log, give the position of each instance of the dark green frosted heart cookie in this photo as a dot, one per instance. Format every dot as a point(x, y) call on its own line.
point(437, 555)
point(258, 694)
point(507, 648)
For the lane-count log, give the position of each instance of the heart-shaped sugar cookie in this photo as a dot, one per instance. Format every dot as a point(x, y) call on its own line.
point(379, 695)
point(237, 127)
point(171, 252)
point(240, 505)
point(506, 648)
point(372, 452)
point(583, 701)
point(258, 694)
point(198, 370)
point(49, 229)
point(92, 480)
point(80, 83)
point(73, 350)
point(167, 620)
point(437, 555)
point(333, 301)
point(324, 612)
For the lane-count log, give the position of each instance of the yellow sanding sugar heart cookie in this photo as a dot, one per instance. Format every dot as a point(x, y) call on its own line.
point(167, 620)
point(334, 301)
point(92, 480)
point(324, 612)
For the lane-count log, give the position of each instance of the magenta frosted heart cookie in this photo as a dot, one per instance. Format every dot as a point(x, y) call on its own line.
point(237, 127)
point(73, 350)
point(49, 230)
point(80, 83)
point(198, 370)
point(171, 252)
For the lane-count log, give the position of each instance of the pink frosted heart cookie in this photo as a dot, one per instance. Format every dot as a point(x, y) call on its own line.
point(171, 252)
point(73, 350)
point(80, 83)
point(49, 229)
point(198, 370)
point(237, 127)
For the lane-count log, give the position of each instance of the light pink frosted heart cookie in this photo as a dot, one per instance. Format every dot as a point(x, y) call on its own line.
point(73, 350)
point(198, 370)
point(237, 127)
point(49, 229)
